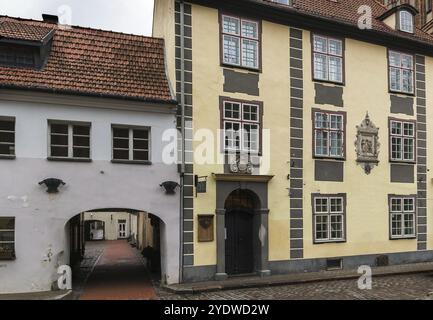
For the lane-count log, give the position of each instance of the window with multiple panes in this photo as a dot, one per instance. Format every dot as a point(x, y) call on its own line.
point(240, 42)
point(131, 144)
point(402, 140)
point(18, 57)
point(7, 238)
point(69, 140)
point(328, 59)
point(406, 21)
point(241, 125)
point(7, 136)
point(329, 219)
point(401, 72)
point(329, 134)
point(428, 6)
point(402, 217)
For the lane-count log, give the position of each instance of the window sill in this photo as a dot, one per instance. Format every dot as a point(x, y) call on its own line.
point(404, 238)
point(407, 94)
point(330, 241)
point(338, 84)
point(7, 157)
point(68, 159)
point(11, 258)
point(231, 66)
point(329, 158)
point(148, 163)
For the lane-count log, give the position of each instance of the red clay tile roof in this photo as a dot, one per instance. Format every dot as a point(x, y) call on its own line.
point(346, 11)
point(16, 30)
point(91, 62)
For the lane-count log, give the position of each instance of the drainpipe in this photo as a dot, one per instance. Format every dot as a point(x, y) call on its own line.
point(182, 105)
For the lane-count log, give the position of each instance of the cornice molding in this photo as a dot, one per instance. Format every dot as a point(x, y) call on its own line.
point(242, 177)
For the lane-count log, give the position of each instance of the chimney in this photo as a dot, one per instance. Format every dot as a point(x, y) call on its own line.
point(50, 18)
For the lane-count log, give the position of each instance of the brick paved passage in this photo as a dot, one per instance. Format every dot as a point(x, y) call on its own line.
point(118, 275)
point(396, 287)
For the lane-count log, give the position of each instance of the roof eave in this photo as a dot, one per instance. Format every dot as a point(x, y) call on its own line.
point(90, 94)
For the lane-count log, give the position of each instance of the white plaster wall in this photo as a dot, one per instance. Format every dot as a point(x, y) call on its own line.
point(111, 231)
point(41, 218)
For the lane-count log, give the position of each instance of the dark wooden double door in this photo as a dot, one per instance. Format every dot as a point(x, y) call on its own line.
point(239, 242)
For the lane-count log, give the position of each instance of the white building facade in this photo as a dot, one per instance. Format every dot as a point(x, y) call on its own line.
point(91, 143)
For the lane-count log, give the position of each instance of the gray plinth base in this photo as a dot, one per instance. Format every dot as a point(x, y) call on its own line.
point(264, 273)
point(221, 276)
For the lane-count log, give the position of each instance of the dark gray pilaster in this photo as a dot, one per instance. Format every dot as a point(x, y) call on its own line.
point(263, 242)
point(296, 145)
point(421, 153)
point(185, 37)
point(221, 245)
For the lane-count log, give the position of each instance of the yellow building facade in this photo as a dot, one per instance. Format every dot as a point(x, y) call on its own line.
point(331, 170)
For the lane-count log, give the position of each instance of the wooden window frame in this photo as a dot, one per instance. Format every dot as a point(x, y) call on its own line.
point(12, 120)
point(390, 89)
point(402, 212)
point(399, 20)
point(314, 129)
point(329, 214)
point(13, 255)
point(241, 18)
point(70, 144)
point(241, 121)
point(402, 137)
point(131, 149)
point(343, 58)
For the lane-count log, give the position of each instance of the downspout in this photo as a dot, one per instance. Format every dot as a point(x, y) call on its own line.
point(182, 106)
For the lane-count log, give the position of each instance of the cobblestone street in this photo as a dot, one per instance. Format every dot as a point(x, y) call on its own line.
point(108, 259)
point(112, 270)
point(404, 287)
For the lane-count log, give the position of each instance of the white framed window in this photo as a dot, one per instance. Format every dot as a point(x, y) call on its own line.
point(241, 126)
point(402, 140)
point(329, 224)
point(69, 140)
point(7, 238)
point(240, 42)
point(328, 134)
point(406, 21)
point(402, 217)
point(401, 72)
point(131, 143)
point(7, 137)
point(327, 59)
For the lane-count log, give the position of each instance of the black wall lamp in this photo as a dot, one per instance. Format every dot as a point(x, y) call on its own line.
point(52, 184)
point(169, 186)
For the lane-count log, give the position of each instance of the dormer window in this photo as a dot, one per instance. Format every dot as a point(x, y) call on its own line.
point(406, 21)
point(17, 56)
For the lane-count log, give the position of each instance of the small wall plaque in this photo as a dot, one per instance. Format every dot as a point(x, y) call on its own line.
point(205, 228)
